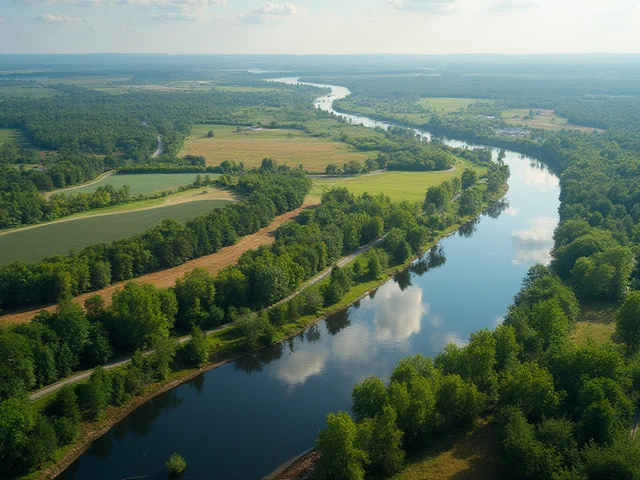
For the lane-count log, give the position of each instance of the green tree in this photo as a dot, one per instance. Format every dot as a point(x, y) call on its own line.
point(17, 420)
point(368, 397)
point(142, 314)
point(469, 178)
point(628, 321)
point(340, 457)
point(196, 350)
point(16, 365)
point(176, 465)
point(531, 389)
point(210, 134)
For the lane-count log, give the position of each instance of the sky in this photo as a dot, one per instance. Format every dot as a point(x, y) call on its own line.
point(319, 26)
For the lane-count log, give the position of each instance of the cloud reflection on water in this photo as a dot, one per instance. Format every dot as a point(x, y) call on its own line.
point(534, 244)
point(398, 314)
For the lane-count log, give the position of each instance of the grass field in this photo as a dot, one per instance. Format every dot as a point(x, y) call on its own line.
point(473, 455)
point(410, 186)
point(31, 91)
point(291, 147)
point(449, 105)
point(142, 183)
point(596, 322)
point(34, 244)
point(15, 136)
point(546, 119)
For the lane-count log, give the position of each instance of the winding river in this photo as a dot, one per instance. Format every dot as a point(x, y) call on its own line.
point(242, 420)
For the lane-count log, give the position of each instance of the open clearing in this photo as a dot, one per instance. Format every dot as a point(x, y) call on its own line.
point(450, 105)
point(15, 136)
point(411, 186)
point(31, 91)
point(291, 147)
point(57, 238)
point(143, 183)
point(166, 278)
point(541, 118)
point(597, 322)
point(473, 455)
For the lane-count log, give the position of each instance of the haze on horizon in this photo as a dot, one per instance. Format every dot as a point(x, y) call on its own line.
point(319, 26)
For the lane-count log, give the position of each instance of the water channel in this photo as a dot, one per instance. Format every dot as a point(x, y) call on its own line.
point(242, 420)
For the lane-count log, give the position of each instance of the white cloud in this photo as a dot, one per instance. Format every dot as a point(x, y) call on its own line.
point(273, 8)
point(48, 18)
point(143, 3)
point(437, 7)
point(272, 12)
point(515, 5)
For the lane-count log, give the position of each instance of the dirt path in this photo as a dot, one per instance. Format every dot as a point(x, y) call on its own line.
point(166, 278)
point(99, 178)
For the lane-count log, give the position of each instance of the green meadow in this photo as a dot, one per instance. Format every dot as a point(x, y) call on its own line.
point(57, 238)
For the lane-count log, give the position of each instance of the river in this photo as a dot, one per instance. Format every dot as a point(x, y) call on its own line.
point(242, 420)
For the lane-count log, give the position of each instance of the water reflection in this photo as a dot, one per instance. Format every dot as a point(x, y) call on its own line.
point(534, 244)
point(403, 279)
point(540, 177)
point(255, 362)
point(338, 321)
point(468, 229)
point(434, 258)
point(140, 424)
point(495, 209)
point(398, 314)
point(295, 370)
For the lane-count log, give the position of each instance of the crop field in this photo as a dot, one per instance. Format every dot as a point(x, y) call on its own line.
point(35, 243)
point(546, 119)
point(411, 186)
point(291, 147)
point(142, 183)
point(31, 91)
point(449, 105)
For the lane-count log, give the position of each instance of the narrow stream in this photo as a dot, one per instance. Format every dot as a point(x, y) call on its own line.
point(242, 420)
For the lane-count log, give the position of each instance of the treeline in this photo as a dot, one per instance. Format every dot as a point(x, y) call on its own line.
point(564, 410)
point(400, 149)
point(168, 245)
point(21, 202)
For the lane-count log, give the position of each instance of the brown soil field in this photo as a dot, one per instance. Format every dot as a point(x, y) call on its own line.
point(290, 147)
point(166, 278)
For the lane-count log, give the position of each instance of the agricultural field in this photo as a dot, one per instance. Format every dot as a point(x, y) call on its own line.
point(35, 243)
point(540, 118)
point(142, 183)
point(31, 91)
point(410, 186)
point(450, 105)
point(291, 147)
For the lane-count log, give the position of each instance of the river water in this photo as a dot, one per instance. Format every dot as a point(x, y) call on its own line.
point(242, 420)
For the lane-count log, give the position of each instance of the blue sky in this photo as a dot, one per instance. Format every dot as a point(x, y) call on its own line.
point(314, 26)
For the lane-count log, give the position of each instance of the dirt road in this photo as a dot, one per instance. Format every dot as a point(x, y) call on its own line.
point(166, 278)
